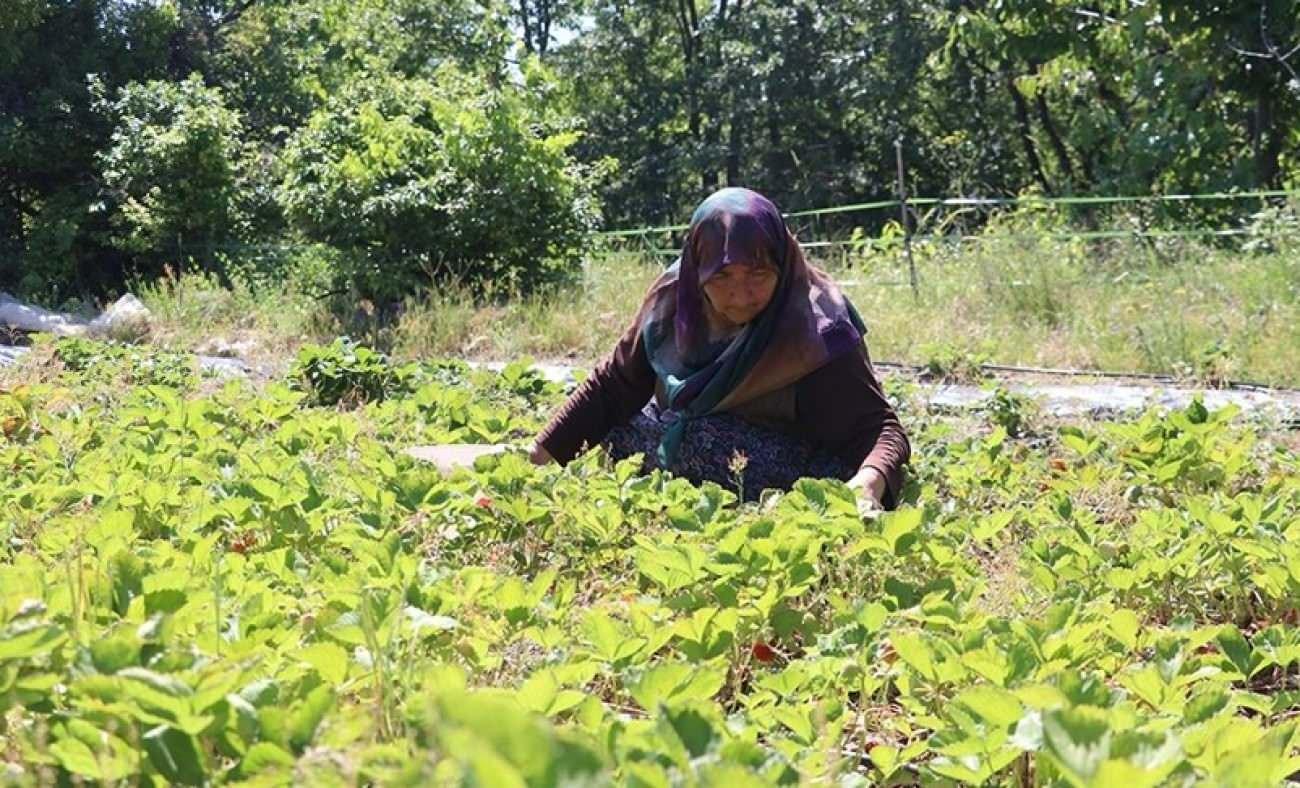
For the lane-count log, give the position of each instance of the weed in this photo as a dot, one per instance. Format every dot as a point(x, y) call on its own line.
point(950, 363)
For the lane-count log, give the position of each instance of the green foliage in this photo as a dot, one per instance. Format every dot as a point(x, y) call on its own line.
point(448, 179)
point(1119, 101)
point(1009, 410)
point(347, 372)
point(233, 585)
point(113, 364)
point(50, 133)
point(172, 172)
point(947, 362)
point(428, 142)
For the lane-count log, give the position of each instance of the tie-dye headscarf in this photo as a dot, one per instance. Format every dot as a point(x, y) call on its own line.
point(808, 322)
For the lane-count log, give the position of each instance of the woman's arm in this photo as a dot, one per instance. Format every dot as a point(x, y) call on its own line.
point(842, 407)
point(618, 387)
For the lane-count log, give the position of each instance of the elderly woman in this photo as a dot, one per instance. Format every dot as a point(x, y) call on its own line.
point(742, 354)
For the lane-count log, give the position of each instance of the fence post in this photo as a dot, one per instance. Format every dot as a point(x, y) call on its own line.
point(902, 212)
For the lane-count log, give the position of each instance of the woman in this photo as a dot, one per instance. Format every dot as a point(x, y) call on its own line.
point(753, 363)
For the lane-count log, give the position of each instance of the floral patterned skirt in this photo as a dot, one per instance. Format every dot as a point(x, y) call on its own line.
point(712, 445)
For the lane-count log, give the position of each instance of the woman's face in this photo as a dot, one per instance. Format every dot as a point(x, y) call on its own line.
point(740, 291)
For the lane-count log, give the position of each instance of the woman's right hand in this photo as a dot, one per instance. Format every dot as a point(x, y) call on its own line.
point(539, 455)
point(870, 485)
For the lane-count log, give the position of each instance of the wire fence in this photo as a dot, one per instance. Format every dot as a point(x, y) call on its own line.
point(943, 221)
point(856, 230)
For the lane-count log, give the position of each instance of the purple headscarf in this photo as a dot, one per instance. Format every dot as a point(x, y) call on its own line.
point(807, 323)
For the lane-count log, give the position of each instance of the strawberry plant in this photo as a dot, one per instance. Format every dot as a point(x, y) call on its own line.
point(236, 584)
point(346, 372)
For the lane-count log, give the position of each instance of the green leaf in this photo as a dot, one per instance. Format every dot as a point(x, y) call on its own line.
point(111, 654)
point(991, 525)
point(539, 691)
point(611, 642)
point(25, 640)
point(165, 600)
point(695, 730)
point(262, 692)
point(84, 749)
point(1206, 704)
point(872, 616)
point(127, 571)
point(308, 715)
point(643, 774)
point(1123, 626)
point(798, 719)
point(995, 706)
point(175, 755)
point(917, 653)
point(899, 528)
point(885, 758)
point(1078, 740)
point(426, 622)
point(1238, 650)
point(676, 681)
point(329, 660)
point(967, 768)
point(489, 768)
point(73, 754)
point(264, 755)
point(273, 724)
point(1263, 762)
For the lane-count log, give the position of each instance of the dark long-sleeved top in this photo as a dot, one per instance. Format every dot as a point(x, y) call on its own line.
point(839, 407)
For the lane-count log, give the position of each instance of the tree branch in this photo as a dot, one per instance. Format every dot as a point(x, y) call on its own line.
point(233, 14)
point(1272, 53)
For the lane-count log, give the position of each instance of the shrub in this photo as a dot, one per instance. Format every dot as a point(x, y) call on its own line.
point(1009, 410)
point(345, 372)
point(422, 181)
point(172, 172)
point(949, 363)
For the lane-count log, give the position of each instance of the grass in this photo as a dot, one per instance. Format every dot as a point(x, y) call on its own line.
point(1199, 312)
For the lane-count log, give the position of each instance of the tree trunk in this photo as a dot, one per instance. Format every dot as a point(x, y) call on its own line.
point(734, 145)
point(1054, 137)
point(1026, 131)
point(525, 22)
point(1267, 143)
point(689, 28)
point(544, 27)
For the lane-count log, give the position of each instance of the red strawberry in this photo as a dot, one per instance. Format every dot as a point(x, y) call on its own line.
point(483, 502)
point(762, 652)
point(244, 542)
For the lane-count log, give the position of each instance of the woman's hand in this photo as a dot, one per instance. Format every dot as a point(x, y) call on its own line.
point(870, 486)
point(539, 455)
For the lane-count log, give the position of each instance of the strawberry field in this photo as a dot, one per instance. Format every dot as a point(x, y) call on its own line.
point(207, 581)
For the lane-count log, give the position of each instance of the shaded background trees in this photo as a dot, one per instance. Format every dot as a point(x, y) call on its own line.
point(138, 134)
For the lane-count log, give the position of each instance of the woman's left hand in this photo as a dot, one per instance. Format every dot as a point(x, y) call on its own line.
point(539, 455)
point(870, 485)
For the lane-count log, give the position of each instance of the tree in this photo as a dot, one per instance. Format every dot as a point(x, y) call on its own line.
point(426, 181)
point(171, 172)
point(50, 132)
point(1129, 97)
point(539, 19)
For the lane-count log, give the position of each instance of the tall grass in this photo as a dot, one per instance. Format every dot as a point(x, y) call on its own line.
point(1173, 306)
point(1193, 310)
